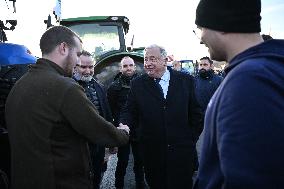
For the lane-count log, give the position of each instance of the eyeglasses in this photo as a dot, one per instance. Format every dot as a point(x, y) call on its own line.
point(152, 59)
point(197, 32)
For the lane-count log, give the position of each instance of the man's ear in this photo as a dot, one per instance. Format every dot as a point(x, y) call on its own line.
point(63, 48)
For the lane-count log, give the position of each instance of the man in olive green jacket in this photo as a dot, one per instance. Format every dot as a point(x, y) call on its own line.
point(50, 120)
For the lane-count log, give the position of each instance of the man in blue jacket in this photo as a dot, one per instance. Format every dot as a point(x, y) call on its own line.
point(244, 125)
point(206, 83)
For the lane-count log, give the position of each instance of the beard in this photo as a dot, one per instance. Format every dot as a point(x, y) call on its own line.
point(204, 73)
point(69, 66)
point(128, 73)
point(85, 78)
point(217, 53)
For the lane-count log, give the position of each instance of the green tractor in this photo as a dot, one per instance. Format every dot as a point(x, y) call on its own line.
point(104, 38)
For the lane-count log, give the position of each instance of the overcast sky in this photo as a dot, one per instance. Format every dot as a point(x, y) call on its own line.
point(167, 23)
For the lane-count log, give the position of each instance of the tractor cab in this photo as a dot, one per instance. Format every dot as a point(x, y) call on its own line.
point(104, 38)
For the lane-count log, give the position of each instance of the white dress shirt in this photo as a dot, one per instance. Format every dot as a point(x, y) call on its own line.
point(164, 82)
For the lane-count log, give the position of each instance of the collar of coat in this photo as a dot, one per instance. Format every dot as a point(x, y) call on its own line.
point(49, 65)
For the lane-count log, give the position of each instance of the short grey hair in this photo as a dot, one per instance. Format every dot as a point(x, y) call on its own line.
point(162, 50)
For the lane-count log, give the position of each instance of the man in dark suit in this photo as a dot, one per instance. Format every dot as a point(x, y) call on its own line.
point(162, 108)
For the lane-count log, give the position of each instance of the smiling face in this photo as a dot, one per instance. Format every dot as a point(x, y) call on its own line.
point(154, 64)
point(85, 70)
point(213, 41)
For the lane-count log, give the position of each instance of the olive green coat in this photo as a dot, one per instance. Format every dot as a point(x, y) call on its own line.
point(50, 120)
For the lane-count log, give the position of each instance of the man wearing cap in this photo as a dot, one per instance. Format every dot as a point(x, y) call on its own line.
point(244, 125)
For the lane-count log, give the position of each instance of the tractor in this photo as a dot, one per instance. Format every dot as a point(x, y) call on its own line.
point(104, 38)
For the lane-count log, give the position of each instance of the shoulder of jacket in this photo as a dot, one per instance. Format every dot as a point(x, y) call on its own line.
point(97, 82)
point(115, 85)
point(67, 86)
point(139, 79)
point(72, 83)
point(182, 75)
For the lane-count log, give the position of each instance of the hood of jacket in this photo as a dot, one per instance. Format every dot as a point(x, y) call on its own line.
point(273, 48)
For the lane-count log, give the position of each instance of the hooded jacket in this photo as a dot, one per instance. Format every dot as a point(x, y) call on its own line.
point(244, 125)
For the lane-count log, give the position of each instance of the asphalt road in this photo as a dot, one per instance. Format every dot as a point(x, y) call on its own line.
point(108, 179)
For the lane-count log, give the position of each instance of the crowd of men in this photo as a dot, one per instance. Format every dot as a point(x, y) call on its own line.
point(228, 130)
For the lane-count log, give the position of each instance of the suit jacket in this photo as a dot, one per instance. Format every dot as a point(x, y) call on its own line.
point(166, 128)
point(50, 120)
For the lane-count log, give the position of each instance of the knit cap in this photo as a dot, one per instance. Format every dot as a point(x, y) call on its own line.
point(234, 16)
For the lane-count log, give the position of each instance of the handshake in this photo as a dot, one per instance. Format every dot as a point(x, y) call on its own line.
point(124, 127)
point(113, 150)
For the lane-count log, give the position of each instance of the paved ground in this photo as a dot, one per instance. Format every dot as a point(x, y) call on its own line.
point(108, 179)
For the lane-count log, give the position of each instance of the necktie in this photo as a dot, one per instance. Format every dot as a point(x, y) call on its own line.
point(157, 80)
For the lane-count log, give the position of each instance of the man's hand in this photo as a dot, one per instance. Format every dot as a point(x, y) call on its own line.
point(124, 127)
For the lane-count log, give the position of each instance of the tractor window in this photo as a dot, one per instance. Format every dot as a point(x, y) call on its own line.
point(98, 39)
point(106, 71)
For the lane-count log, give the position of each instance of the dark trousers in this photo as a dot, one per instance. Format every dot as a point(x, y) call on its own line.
point(122, 162)
point(97, 163)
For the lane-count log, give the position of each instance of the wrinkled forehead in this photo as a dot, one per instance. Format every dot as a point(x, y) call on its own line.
point(152, 52)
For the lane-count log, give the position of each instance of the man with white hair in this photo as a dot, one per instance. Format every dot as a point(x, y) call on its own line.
point(162, 108)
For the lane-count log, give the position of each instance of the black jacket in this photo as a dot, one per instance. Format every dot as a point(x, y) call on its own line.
point(167, 128)
point(117, 95)
point(93, 87)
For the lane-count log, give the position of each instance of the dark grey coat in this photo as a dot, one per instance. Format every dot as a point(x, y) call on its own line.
point(50, 120)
